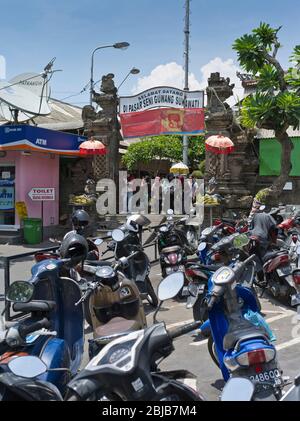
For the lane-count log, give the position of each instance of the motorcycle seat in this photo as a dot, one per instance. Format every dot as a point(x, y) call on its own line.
point(230, 339)
point(116, 326)
point(34, 305)
point(271, 254)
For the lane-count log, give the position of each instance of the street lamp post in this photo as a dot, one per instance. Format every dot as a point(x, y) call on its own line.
point(133, 71)
point(118, 45)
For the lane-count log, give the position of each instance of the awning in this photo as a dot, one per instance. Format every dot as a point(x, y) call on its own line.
point(29, 138)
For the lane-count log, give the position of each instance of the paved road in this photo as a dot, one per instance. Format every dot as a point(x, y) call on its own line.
point(191, 350)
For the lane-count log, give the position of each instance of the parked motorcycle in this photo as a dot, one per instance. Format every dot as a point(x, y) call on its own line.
point(241, 347)
point(112, 301)
point(138, 268)
point(50, 325)
point(126, 369)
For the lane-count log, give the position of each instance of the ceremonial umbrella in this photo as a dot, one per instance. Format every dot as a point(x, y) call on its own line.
point(179, 168)
point(219, 144)
point(92, 147)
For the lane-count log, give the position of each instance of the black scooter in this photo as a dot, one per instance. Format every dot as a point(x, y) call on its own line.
point(126, 369)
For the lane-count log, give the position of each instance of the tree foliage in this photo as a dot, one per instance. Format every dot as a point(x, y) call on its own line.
point(163, 147)
point(275, 104)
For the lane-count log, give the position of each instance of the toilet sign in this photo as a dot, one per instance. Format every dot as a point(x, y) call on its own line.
point(42, 193)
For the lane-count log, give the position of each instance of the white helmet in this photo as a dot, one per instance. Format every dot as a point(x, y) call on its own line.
point(131, 224)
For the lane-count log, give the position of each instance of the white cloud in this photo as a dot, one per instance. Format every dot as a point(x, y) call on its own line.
point(172, 74)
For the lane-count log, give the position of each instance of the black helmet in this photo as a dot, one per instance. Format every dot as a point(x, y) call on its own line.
point(80, 218)
point(74, 247)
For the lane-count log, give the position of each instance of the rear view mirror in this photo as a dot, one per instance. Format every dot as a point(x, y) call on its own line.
point(27, 366)
point(170, 286)
point(238, 389)
point(118, 235)
point(170, 212)
point(202, 246)
point(20, 292)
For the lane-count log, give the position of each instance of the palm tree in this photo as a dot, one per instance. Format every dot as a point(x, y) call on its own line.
point(276, 103)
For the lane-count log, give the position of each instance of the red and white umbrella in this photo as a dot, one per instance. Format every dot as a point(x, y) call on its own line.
point(92, 147)
point(219, 144)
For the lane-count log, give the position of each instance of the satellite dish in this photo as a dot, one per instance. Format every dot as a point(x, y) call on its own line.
point(6, 113)
point(26, 92)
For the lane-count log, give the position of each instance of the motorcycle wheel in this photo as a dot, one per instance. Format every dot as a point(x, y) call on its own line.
point(212, 351)
point(151, 295)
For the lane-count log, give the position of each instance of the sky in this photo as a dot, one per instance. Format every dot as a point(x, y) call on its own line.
point(32, 32)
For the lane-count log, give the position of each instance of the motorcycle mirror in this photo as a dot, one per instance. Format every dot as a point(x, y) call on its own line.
point(262, 208)
point(170, 212)
point(98, 241)
point(202, 246)
point(117, 235)
point(170, 286)
point(108, 233)
point(27, 366)
point(238, 389)
point(20, 292)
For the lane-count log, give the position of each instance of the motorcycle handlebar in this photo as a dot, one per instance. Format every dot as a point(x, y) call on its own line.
point(182, 330)
point(85, 296)
point(26, 330)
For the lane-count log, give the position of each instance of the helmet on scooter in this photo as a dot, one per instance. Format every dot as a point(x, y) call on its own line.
point(74, 247)
point(80, 218)
point(131, 224)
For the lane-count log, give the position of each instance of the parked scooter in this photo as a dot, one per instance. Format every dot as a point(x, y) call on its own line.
point(240, 347)
point(125, 369)
point(112, 301)
point(51, 326)
point(138, 268)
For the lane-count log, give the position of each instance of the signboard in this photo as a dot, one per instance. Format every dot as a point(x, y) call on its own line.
point(162, 110)
point(162, 96)
point(7, 197)
point(25, 137)
point(42, 193)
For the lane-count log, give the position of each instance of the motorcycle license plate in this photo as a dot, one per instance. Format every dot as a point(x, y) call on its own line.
point(269, 376)
point(285, 270)
point(295, 299)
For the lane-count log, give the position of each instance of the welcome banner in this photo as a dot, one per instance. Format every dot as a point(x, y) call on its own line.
point(162, 110)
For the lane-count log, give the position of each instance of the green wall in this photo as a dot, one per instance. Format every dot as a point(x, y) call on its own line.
point(270, 157)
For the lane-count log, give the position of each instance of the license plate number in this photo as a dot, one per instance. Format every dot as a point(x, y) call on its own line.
point(273, 376)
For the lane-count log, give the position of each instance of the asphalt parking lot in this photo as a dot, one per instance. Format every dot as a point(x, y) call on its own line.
point(191, 350)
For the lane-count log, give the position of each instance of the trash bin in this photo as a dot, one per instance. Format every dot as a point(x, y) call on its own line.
point(32, 230)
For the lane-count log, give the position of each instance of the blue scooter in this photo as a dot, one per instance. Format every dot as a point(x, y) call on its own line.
point(241, 341)
point(52, 329)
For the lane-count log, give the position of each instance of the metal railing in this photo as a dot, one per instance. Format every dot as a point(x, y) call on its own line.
point(6, 260)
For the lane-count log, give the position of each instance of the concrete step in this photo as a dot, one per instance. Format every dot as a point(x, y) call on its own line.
point(13, 238)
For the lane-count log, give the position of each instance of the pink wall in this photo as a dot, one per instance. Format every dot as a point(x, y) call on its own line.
point(36, 170)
